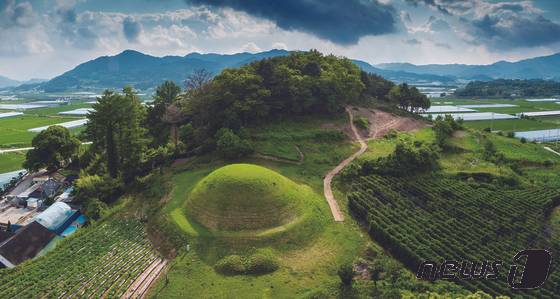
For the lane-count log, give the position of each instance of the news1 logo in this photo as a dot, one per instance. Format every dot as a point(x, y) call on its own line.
point(531, 275)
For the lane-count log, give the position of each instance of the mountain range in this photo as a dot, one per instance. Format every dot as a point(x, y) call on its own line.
point(544, 67)
point(145, 71)
point(7, 82)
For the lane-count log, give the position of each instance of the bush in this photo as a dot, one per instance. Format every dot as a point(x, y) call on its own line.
point(231, 265)
point(523, 140)
point(346, 274)
point(104, 188)
point(361, 122)
point(94, 208)
point(407, 159)
point(231, 146)
point(548, 163)
point(488, 130)
point(510, 134)
point(262, 262)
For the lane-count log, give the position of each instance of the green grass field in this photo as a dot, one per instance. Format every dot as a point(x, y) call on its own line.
point(13, 131)
point(11, 161)
point(514, 125)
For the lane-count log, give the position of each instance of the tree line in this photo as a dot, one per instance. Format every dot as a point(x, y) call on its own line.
point(505, 88)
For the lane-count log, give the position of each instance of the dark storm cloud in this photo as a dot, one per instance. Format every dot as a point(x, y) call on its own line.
point(516, 31)
point(16, 15)
point(340, 21)
point(131, 29)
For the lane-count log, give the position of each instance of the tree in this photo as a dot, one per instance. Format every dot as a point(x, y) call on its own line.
point(346, 274)
point(173, 117)
point(231, 146)
point(52, 148)
point(166, 95)
point(198, 79)
point(115, 128)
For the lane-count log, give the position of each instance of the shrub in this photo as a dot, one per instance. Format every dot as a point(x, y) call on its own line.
point(548, 163)
point(94, 208)
point(231, 265)
point(510, 134)
point(262, 262)
point(93, 186)
point(361, 122)
point(487, 130)
point(346, 274)
point(231, 146)
point(523, 140)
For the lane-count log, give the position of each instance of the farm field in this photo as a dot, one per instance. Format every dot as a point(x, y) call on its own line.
point(413, 220)
point(514, 125)
point(13, 131)
point(99, 261)
point(11, 161)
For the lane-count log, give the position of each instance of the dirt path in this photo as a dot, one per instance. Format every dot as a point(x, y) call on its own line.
point(327, 182)
point(278, 159)
point(142, 284)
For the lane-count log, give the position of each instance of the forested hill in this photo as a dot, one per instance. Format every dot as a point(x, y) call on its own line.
point(510, 88)
point(144, 71)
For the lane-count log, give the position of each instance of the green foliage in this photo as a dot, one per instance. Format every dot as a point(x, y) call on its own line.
point(231, 146)
point(504, 88)
point(407, 159)
point(299, 84)
point(102, 259)
point(94, 208)
point(159, 130)
point(231, 265)
point(115, 129)
point(52, 148)
point(407, 98)
point(93, 186)
point(428, 218)
point(362, 122)
point(261, 262)
point(346, 274)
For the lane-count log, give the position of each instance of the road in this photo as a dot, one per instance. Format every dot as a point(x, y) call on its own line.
point(24, 149)
point(327, 181)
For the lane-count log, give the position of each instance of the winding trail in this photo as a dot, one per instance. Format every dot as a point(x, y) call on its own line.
point(327, 181)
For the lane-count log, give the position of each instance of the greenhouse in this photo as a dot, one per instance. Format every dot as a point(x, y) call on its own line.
point(10, 114)
point(543, 100)
point(489, 106)
point(540, 113)
point(80, 111)
point(446, 108)
point(473, 116)
point(540, 135)
point(55, 216)
point(68, 125)
point(21, 106)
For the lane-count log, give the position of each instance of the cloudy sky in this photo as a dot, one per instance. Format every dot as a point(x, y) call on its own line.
point(44, 38)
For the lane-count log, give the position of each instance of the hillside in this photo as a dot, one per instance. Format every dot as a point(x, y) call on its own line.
point(545, 67)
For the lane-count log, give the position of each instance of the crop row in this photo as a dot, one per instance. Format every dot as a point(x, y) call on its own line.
point(98, 261)
point(440, 218)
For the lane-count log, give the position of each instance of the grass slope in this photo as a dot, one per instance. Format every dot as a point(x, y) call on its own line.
point(245, 197)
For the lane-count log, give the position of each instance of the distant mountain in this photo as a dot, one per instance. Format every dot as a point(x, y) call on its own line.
point(545, 67)
point(144, 71)
point(7, 82)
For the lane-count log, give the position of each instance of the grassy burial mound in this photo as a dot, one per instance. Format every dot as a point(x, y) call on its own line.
point(248, 200)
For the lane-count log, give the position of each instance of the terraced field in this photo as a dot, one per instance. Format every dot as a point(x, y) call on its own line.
point(107, 261)
point(439, 218)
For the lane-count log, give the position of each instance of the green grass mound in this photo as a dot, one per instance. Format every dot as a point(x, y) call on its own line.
point(245, 197)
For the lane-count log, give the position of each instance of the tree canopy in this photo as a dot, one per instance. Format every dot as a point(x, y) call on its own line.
point(51, 149)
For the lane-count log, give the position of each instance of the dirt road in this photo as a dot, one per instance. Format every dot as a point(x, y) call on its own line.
point(327, 182)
